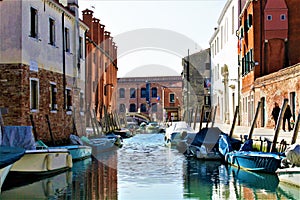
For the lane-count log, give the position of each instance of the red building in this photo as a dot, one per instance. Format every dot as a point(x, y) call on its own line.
point(269, 38)
point(158, 97)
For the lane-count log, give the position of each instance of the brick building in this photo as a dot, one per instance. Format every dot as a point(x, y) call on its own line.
point(101, 67)
point(42, 66)
point(158, 97)
point(269, 41)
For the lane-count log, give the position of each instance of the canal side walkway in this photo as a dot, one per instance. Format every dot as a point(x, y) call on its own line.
point(257, 132)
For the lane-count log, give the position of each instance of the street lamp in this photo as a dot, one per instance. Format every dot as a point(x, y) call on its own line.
point(105, 90)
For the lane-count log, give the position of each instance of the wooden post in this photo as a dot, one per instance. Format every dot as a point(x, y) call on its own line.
point(277, 129)
point(233, 122)
point(49, 127)
point(296, 129)
point(209, 116)
point(195, 118)
point(96, 122)
point(214, 117)
point(254, 120)
point(33, 128)
point(201, 118)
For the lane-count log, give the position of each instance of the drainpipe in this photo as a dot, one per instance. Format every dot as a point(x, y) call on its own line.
point(64, 58)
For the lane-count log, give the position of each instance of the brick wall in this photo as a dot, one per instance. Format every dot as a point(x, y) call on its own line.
point(15, 95)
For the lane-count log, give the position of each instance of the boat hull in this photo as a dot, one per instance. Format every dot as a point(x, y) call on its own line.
point(254, 161)
point(289, 176)
point(43, 162)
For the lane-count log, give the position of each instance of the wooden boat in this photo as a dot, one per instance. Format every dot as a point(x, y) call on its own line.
point(8, 156)
point(35, 161)
point(254, 161)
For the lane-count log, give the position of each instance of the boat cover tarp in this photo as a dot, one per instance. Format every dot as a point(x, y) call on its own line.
point(208, 137)
point(227, 144)
point(293, 154)
point(19, 136)
point(9, 155)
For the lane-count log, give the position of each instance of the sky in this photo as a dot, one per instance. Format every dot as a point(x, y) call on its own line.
point(156, 32)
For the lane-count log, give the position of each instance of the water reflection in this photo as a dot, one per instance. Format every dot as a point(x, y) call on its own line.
point(144, 168)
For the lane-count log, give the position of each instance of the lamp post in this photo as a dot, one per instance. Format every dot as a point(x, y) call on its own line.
point(105, 86)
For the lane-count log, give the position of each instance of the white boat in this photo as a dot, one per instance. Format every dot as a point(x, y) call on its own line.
point(291, 173)
point(289, 176)
point(178, 132)
point(8, 156)
point(103, 144)
point(35, 161)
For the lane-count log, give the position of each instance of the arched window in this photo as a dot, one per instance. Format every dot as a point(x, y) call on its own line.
point(132, 107)
point(122, 108)
point(154, 92)
point(143, 92)
point(143, 107)
point(122, 93)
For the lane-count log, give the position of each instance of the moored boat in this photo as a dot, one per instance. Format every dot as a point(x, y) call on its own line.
point(35, 161)
point(254, 161)
point(289, 176)
point(290, 173)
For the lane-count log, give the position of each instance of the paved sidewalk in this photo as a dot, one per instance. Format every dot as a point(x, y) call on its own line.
point(258, 132)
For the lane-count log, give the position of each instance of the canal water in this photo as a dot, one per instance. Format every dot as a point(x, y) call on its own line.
point(144, 168)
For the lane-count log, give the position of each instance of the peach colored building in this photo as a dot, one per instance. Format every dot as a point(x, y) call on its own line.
point(101, 67)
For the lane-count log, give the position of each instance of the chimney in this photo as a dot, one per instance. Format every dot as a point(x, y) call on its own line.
point(87, 16)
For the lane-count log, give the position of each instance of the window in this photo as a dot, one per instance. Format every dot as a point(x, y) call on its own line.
point(207, 100)
point(122, 108)
point(80, 47)
point(143, 93)
point(154, 107)
point(53, 93)
point(143, 107)
point(132, 92)
point(249, 21)
point(154, 92)
point(69, 100)
point(67, 40)
point(122, 93)
point(51, 31)
point(282, 17)
point(172, 98)
point(33, 23)
point(269, 17)
point(34, 94)
point(132, 107)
